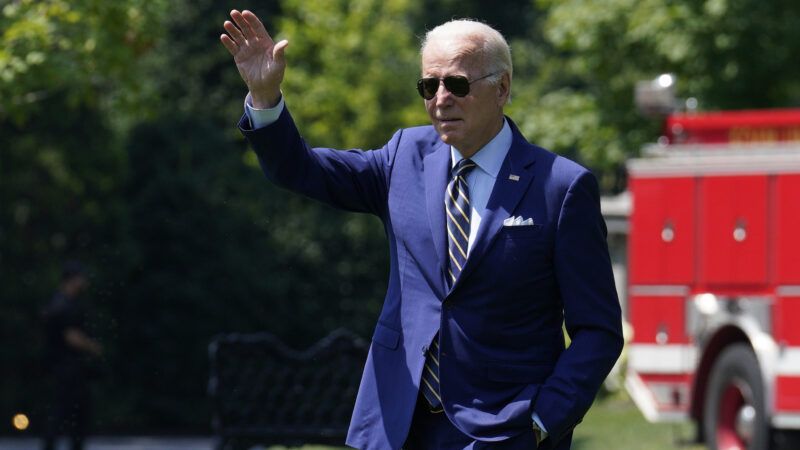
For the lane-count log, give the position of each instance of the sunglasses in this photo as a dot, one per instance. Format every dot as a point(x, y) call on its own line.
point(457, 85)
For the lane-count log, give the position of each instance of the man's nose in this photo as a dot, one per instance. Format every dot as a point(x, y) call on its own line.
point(443, 96)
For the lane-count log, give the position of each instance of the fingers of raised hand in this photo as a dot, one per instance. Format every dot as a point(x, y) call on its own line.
point(250, 26)
point(278, 50)
point(235, 33)
point(229, 44)
point(241, 24)
point(255, 25)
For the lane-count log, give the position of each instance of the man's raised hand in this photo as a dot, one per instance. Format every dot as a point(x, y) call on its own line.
point(260, 61)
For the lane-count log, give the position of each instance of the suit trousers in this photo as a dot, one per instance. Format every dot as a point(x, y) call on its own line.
point(434, 431)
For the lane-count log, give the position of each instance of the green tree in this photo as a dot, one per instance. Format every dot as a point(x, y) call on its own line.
point(216, 248)
point(726, 53)
point(82, 50)
point(192, 72)
point(64, 66)
point(513, 18)
point(351, 69)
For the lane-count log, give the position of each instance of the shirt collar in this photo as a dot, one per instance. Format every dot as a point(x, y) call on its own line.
point(490, 157)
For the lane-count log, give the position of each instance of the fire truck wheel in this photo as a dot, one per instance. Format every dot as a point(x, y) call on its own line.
point(734, 414)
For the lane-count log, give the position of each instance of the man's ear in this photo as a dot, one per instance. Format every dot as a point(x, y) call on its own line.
point(504, 89)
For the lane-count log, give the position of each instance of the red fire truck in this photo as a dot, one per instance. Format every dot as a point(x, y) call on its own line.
point(714, 275)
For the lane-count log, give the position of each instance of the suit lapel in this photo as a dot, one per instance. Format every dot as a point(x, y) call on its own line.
point(506, 194)
point(436, 172)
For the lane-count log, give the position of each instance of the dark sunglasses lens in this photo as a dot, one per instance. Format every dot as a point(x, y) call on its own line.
point(427, 87)
point(458, 86)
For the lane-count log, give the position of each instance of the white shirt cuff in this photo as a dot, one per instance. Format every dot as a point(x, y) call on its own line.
point(259, 118)
point(539, 424)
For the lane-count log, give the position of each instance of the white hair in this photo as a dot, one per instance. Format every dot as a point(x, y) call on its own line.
point(471, 37)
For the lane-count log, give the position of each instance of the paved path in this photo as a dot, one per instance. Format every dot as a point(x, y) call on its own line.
point(118, 443)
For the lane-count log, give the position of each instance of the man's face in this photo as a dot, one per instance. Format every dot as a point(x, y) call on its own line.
point(469, 122)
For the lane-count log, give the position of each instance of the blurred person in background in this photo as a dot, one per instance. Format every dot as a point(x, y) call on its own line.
point(494, 243)
point(69, 353)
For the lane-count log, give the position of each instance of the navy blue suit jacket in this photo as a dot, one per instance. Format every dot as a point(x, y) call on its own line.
point(500, 325)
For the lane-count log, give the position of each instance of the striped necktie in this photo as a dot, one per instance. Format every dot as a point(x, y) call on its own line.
point(457, 208)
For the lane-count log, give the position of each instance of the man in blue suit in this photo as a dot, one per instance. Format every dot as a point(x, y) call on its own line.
point(494, 243)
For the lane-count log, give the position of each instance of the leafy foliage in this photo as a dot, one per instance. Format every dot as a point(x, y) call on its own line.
point(61, 65)
point(726, 53)
point(84, 50)
point(351, 70)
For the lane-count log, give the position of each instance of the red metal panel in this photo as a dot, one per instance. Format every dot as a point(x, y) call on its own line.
point(784, 318)
point(787, 232)
point(787, 394)
point(734, 126)
point(733, 230)
point(653, 314)
point(670, 392)
point(662, 231)
point(676, 378)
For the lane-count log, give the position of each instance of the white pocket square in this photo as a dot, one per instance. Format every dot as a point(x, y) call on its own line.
point(516, 221)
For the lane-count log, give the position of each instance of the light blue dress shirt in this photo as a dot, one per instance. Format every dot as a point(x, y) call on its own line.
point(480, 180)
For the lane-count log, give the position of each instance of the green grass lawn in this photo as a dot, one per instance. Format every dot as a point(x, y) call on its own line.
point(614, 423)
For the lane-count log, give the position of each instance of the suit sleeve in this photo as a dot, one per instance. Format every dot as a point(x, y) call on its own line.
point(591, 312)
point(352, 180)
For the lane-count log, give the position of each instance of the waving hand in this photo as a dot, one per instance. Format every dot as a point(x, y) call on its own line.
point(261, 62)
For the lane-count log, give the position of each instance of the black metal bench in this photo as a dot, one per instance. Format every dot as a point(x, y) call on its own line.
point(265, 393)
